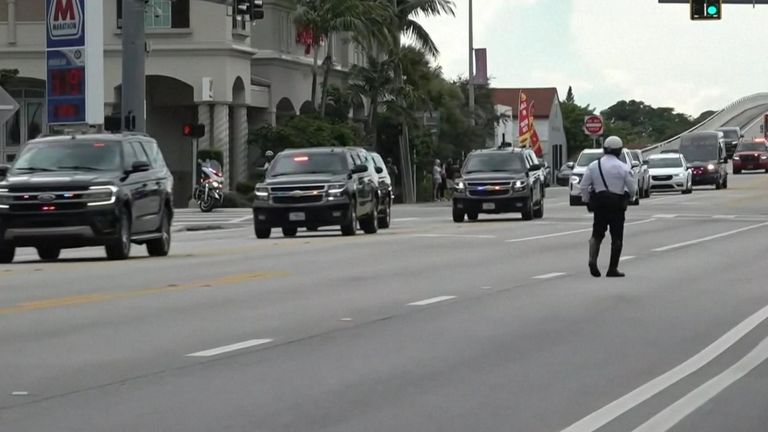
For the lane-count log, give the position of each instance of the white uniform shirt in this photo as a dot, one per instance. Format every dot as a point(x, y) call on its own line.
point(617, 174)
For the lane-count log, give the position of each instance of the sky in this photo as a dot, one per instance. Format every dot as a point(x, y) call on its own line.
point(611, 50)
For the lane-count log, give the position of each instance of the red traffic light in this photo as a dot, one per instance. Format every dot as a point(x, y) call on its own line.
point(193, 130)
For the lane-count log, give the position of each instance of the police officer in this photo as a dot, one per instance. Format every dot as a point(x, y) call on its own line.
point(606, 188)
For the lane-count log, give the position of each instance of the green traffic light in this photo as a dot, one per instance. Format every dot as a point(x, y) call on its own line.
point(711, 10)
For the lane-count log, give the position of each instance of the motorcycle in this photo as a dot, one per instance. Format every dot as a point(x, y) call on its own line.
point(209, 193)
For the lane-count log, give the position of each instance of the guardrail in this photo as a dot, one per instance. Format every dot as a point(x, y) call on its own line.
point(716, 120)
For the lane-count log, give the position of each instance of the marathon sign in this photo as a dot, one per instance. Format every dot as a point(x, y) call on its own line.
point(65, 23)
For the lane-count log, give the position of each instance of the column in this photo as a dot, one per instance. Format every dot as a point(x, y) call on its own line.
point(239, 155)
point(12, 22)
point(220, 135)
point(204, 118)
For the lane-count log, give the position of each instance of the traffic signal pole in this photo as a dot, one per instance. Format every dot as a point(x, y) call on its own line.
point(132, 104)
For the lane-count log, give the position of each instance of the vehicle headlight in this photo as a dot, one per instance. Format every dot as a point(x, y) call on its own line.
point(5, 198)
point(711, 167)
point(575, 179)
point(460, 186)
point(519, 185)
point(336, 190)
point(102, 195)
point(682, 174)
point(262, 193)
point(764, 157)
point(736, 158)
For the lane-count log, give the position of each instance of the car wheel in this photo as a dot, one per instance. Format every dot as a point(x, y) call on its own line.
point(262, 232)
point(290, 231)
point(160, 247)
point(120, 248)
point(539, 212)
point(370, 224)
point(458, 215)
point(47, 253)
point(385, 219)
point(349, 228)
point(528, 212)
point(7, 253)
point(725, 182)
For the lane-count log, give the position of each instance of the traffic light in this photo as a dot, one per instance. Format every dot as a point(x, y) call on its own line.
point(193, 130)
point(706, 9)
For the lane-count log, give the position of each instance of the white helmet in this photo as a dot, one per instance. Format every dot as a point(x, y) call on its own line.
point(613, 143)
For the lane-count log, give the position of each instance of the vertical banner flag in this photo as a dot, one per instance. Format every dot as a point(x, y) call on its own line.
point(481, 67)
point(524, 121)
point(535, 141)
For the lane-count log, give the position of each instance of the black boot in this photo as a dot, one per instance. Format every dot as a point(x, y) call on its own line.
point(594, 251)
point(613, 269)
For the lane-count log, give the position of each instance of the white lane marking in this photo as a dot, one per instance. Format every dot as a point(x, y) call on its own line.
point(627, 258)
point(20, 393)
point(672, 415)
point(601, 417)
point(405, 219)
point(454, 236)
point(712, 237)
point(431, 301)
point(665, 216)
point(230, 348)
point(564, 233)
point(548, 276)
point(242, 219)
point(485, 287)
point(724, 217)
point(346, 319)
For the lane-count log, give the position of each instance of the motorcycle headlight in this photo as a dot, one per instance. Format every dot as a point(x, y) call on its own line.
point(711, 167)
point(262, 193)
point(102, 195)
point(575, 179)
point(215, 184)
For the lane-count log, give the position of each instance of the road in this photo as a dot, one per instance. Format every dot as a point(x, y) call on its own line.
point(428, 326)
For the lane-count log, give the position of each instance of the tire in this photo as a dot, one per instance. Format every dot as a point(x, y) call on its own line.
point(725, 182)
point(349, 228)
point(207, 204)
point(458, 215)
point(385, 220)
point(7, 253)
point(637, 199)
point(290, 231)
point(370, 224)
point(528, 212)
point(160, 247)
point(538, 213)
point(262, 232)
point(47, 253)
point(120, 248)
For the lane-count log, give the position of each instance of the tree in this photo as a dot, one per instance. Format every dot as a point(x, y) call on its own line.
point(569, 97)
point(640, 124)
point(374, 81)
point(7, 75)
point(573, 122)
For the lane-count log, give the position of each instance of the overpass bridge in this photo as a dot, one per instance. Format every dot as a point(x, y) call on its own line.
point(746, 113)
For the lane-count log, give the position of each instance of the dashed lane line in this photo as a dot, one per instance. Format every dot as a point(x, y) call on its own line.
point(229, 348)
point(432, 301)
point(708, 238)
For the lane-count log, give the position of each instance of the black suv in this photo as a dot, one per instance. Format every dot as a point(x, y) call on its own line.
point(318, 187)
point(86, 190)
point(498, 181)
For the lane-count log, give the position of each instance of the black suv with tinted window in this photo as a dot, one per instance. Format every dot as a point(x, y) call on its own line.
point(317, 187)
point(498, 181)
point(86, 190)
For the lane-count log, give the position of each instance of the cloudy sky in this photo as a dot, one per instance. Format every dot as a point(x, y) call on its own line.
point(610, 50)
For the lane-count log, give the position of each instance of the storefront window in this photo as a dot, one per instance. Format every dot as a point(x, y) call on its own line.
point(34, 120)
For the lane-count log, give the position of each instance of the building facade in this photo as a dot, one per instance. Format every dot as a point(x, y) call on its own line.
point(202, 65)
point(548, 119)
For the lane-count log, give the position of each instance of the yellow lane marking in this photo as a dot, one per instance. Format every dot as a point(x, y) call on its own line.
point(101, 298)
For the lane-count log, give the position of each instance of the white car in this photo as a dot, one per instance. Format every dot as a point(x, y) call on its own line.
point(588, 156)
point(670, 172)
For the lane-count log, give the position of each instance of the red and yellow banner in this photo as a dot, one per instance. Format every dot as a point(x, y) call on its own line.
point(526, 131)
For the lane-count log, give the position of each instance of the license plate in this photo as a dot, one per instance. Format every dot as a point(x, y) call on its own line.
point(297, 216)
point(489, 206)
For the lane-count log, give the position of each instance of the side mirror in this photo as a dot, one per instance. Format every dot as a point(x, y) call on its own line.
point(379, 170)
point(139, 166)
point(635, 164)
point(4, 170)
point(570, 165)
point(534, 167)
point(359, 169)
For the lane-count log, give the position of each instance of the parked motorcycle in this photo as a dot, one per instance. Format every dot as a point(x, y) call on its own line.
point(209, 193)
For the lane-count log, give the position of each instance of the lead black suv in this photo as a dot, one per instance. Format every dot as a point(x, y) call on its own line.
point(86, 190)
point(498, 181)
point(319, 187)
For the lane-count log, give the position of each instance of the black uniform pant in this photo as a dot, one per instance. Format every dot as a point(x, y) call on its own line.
point(609, 210)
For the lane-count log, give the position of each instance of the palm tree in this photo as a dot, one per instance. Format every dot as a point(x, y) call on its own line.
point(323, 18)
point(374, 81)
point(408, 11)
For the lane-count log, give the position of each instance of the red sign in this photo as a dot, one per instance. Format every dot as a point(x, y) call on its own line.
point(593, 125)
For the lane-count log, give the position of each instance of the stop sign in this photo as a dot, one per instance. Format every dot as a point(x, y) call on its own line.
point(593, 125)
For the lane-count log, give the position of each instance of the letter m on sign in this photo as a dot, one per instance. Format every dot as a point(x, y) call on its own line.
point(65, 22)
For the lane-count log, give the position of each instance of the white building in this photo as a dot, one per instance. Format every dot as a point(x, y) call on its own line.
point(260, 74)
point(548, 119)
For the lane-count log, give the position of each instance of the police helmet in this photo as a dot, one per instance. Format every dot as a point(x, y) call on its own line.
point(613, 145)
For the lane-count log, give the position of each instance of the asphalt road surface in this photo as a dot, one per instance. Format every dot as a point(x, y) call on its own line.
point(429, 326)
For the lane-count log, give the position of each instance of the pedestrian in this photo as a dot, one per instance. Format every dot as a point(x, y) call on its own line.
point(450, 176)
point(392, 170)
point(443, 182)
point(606, 188)
point(437, 179)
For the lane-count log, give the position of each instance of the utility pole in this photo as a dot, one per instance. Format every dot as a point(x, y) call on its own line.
point(470, 84)
point(407, 174)
point(134, 78)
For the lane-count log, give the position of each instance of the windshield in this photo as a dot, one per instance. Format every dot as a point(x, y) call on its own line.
point(587, 158)
point(751, 147)
point(495, 162)
point(309, 163)
point(636, 156)
point(667, 162)
point(70, 155)
point(730, 133)
point(699, 148)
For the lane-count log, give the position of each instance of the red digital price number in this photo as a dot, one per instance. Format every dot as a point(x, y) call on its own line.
point(67, 82)
point(66, 111)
